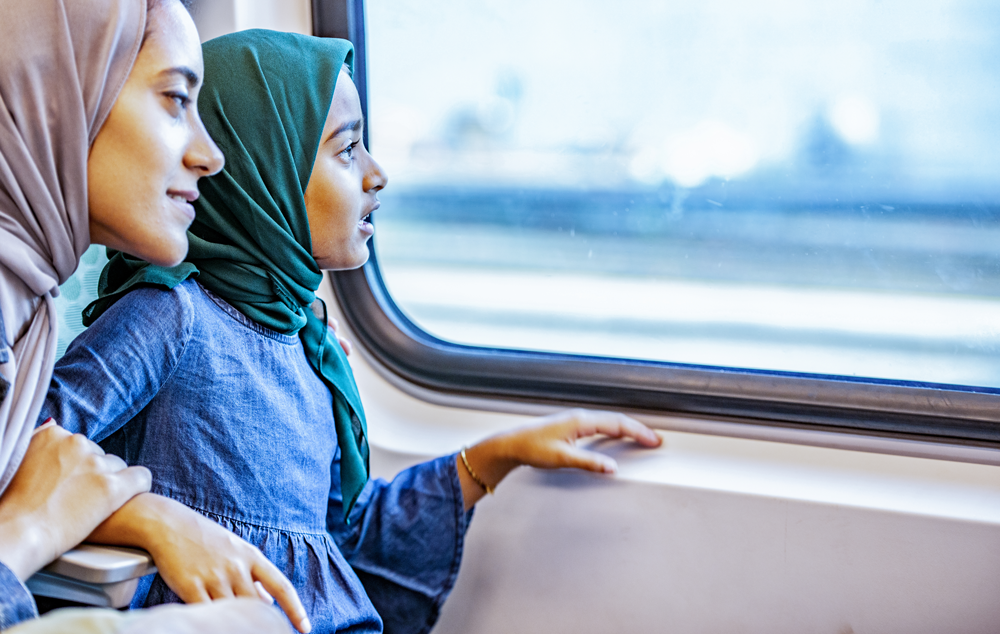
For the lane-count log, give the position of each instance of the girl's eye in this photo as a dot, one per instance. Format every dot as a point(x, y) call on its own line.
point(348, 152)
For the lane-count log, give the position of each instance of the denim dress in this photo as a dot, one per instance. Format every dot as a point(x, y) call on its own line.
point(233, 422)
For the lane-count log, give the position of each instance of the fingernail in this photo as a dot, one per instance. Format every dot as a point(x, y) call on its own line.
point(48, 421)
point(305, 625)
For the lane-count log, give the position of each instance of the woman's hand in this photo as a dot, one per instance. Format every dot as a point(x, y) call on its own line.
point(548, 444)
point(233, 616)
point(65, 486)
point(198, 559)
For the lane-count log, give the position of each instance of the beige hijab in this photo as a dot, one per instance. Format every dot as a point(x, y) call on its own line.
point(62, 65)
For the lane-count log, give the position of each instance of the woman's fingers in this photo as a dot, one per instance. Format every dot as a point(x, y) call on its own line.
point(49, 422)
point(236, 616)
point(67, 487)
point(128, 483)
point(278, 586)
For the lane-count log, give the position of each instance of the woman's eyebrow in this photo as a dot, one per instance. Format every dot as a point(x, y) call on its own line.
point(353, 126)
point(188, 74)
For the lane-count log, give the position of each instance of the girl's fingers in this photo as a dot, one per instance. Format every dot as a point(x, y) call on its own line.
point(279, 587)
point(616, 426)
point(577, 458)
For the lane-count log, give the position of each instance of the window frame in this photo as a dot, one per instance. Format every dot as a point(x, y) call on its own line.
point(944, 413)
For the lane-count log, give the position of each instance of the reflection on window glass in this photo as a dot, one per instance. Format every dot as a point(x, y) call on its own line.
point(800, 186)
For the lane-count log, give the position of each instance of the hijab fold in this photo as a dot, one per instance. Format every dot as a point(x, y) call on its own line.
point(265, 102)
point(62, 65)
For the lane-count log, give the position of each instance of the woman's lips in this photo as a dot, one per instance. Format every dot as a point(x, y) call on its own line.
point(182, 200)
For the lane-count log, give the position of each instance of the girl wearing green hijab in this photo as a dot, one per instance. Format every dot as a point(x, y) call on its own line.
point(221, 376)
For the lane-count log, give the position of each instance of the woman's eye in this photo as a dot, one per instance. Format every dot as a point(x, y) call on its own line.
point(181, 99)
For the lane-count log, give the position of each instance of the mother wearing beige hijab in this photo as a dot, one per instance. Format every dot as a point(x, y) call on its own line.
point(100, 141)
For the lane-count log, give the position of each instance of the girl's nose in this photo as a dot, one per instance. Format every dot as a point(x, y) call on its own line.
point(375, 177)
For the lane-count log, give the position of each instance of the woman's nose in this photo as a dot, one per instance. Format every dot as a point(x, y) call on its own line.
point(203, 155)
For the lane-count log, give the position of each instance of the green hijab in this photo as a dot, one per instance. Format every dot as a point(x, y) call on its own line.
point(265, 101)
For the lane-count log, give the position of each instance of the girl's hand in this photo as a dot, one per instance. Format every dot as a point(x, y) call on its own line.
point(549, 444)
point(64, 487)
point(344, 343)
point(198, 559)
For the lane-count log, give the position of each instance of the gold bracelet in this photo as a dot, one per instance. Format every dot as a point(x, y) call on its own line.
point(472, 473)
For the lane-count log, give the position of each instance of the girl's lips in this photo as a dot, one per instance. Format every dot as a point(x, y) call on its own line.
point(366, 227)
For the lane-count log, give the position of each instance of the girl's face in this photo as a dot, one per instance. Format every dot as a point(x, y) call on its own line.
point(344, 185)
point(144, 165)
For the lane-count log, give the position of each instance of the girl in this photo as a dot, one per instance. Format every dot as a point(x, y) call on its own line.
point(221, 376)
point(93, 147)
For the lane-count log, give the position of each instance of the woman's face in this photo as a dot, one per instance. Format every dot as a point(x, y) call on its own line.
point(144, 165)
point(344, 185)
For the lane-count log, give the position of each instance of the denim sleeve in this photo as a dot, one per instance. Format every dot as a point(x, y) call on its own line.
point(16, 603)
point(115, 367)
point(405, 541)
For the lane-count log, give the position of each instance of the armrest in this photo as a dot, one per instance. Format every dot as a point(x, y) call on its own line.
point(104, 576)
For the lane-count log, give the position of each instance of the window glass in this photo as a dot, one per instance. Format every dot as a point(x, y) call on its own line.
point(76, 293)
point(784, 185)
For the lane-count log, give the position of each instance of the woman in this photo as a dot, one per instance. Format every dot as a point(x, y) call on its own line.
point(99, 141)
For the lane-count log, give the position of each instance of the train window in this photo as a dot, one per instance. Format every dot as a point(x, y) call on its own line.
point(779, 210)
point(782, 186)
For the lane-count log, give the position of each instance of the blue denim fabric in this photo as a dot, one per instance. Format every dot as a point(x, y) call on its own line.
point(233, 422)
point(16, 603)
point(4, 357)
point(4, 346)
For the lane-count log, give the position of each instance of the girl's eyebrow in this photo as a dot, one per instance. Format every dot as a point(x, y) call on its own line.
point(353, 126)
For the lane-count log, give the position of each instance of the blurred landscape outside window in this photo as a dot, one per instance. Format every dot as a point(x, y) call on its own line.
point(810, 187)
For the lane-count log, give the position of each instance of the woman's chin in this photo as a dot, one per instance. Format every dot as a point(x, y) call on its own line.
point(167, 252)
